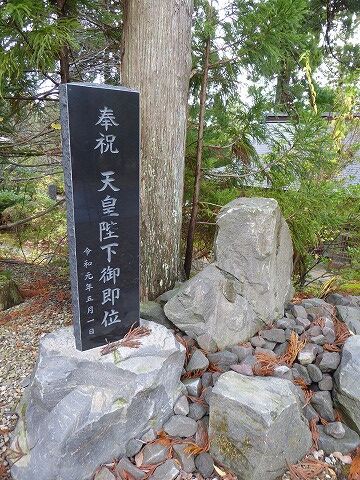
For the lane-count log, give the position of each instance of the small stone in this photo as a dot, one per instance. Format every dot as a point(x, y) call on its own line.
point(154, 453)
point(269, 345)
point(180, 426)
point(167, 471)
point(297, 329)
point(154, 312)
point(216, 376)
point(280, 349)
point(257, 341)
point(198, 361)
point(206, 380)
point(343, 445)
point(319, 340)
point(285, 323)
point(166, 296)
point(133, 447)
point(193, 386)
point(276, 335)
point(307, 354)
point(298, 311)
point(197, 411)
point(104, 474)
point(329, 335)
point(224, 358)
point(282, 371)
point(302, 371)
point(330, 361)
point(322, 402)
point(181, 406)
point(186, 460)
point(207, 343)
point(303, 322)
point(207, 394)
point(315, 373)
point(244, 369)
point(205, 464)
point(314, 331)
point(335, 429)
point(149, 436)
point(264, 350)
point(250, 360)
point(125, 465)
point(242, 351)
point(326, 383)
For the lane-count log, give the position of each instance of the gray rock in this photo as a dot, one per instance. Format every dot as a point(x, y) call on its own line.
point(297, 329)
point(338, 299)
point(347, 384)
point(222, 359)
point(345, 445)
point(149, 436)
point(166, 296)
point(167, 471)
point(319, 340)
point(326, 383)
point(186, 460)
point(207, 394)
point(257, 341)
point(76, 398)
point(198, 361)
point(329, 334)
point(216, 376)
point(314, 331)
point(125, 465)
point(251, 422)
point(207, 379)
point(104, 474)
point(335, 429)
point(180, 426)
point(282, 371)
point(154, 312)
point(307, 354)
point(154, 453)
point(193, 386)
point(197, 411)
point(133, 447)
point(281, 349)
point(329, 362)
point(242, 351)
point(259, 254)
point(310, 413)
point(316, 307)
point(302, 371)
point(303, 322)
point(205, 464)
point(207, 343)
point(298, 311)
point(285, 323)
point(182, 406)
point(276, 335)
point(243, 368)
point(315, 373)
point(212, 303)
point(350, 316)
point(266, 351)
point(322, 402)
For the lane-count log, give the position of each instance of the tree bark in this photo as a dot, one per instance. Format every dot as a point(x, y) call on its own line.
point(156, 60)
point(199, 152)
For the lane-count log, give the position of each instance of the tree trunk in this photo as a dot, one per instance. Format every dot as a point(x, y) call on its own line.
point(156, 60)
point(199, 152)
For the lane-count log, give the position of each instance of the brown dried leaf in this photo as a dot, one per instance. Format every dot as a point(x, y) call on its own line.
point(294, 348)
point(131, 340)
point(354, 473)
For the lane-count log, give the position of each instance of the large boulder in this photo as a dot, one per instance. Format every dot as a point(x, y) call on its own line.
point(253, 244)
point(347, 383)
point(350, 316)
point(82, 408)
point(249, 283)
point(256, 426)
point(211, 304)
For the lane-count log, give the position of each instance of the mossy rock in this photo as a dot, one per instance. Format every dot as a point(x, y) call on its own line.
point(9, 292)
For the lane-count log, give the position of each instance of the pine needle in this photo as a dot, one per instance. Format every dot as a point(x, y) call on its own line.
point(307, 469)
point(307, 392)
point(265, 364)
point(331, 347)
point(314, 433)
point(130, 340)
point(294, 348)
point(193, 374)
point(342, 333)
point(354, 473)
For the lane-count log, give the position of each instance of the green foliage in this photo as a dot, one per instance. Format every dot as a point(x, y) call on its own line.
point(9, 198)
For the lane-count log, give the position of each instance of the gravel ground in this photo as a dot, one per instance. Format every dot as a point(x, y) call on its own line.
point(46, 308)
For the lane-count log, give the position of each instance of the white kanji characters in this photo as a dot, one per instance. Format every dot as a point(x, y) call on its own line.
point(91, 331)
point(110, 250)
point(107, 118)
point(106, 232)
point(108, 181)
point(87, 264)
point(109, 274)
point(89, 276)
point(110, 295)
point(91, 320)
point(89, 299)
point(106, 143)
point(108, 206)
point(88, 287)
point(87, 251)
point(90, 310)
point(110, 318)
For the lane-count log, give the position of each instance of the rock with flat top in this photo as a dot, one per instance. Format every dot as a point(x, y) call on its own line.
point(257, 426)
point(82, 408)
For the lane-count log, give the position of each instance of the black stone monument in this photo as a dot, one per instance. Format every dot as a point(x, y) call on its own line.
point(100, 135)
